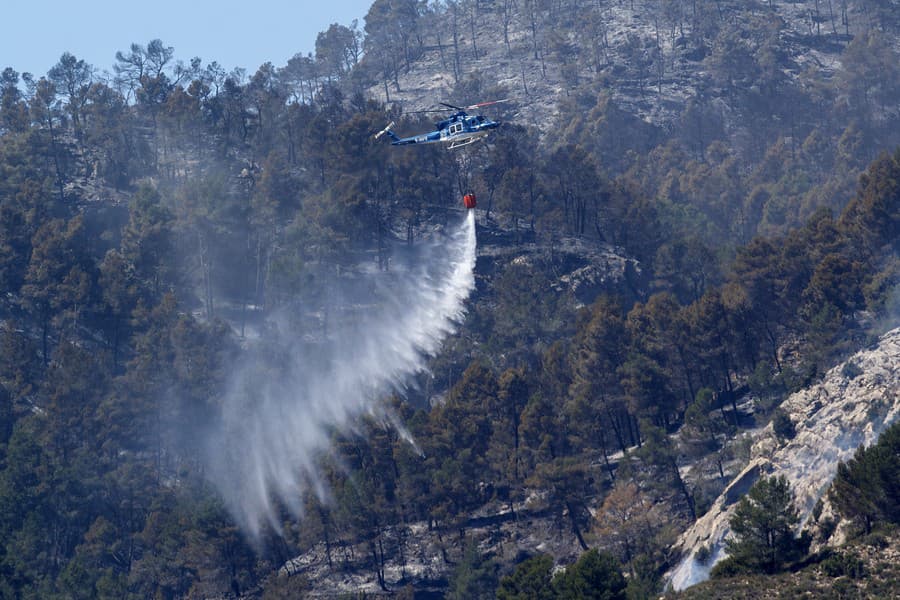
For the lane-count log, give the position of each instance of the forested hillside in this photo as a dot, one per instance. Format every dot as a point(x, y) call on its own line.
point(691, 210)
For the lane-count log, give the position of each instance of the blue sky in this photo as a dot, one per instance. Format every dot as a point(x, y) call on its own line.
point(235, 34)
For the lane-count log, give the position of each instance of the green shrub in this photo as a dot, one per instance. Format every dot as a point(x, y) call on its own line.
point(729, 567)
point(703, 554)
point(841, 564)
point(782, 425)
point(826, 528)
point(876, 540)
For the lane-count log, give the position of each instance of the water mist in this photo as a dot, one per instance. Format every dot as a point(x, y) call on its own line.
point(284, 402)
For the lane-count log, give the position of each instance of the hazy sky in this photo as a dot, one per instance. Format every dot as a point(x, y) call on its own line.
point(235, 34)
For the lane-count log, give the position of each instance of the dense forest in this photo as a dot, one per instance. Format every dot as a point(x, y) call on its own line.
point(155, 220)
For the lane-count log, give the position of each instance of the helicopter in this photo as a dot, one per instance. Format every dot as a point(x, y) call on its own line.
point(458, 130)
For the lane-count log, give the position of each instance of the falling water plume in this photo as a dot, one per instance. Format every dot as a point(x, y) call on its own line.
point(277, 418)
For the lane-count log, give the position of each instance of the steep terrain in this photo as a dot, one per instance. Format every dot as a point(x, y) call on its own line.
point(424, 558)
point(851, 406)
point(854, 403)
point(644, 52)
point(681, 221)
point(857, 570)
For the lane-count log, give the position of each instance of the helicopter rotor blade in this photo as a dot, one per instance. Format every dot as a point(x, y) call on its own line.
point(481, 104)
point(432, 110)
point(454, 107)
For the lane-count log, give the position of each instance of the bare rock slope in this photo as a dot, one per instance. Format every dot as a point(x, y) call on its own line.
point(854, 403)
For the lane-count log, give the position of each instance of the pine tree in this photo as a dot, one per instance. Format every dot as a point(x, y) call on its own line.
point(596, 576)
point(531, 580)
point(474, 578)
point(763, 527)
point(866, 489)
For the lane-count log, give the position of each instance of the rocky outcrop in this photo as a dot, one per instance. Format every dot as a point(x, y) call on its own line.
point(854, 403)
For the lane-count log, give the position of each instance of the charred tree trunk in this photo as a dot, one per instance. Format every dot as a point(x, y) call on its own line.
point(573, 519)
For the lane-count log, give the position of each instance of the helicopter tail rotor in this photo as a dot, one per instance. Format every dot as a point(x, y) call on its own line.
point(385, 130)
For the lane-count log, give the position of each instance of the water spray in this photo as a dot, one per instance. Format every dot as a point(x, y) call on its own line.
point(277, 421)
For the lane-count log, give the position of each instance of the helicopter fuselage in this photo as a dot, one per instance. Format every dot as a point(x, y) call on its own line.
point(460, 129)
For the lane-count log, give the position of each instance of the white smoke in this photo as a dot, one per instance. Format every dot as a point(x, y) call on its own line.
point(278, 417)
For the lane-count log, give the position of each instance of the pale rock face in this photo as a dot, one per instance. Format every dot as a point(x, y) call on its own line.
point(832, 419)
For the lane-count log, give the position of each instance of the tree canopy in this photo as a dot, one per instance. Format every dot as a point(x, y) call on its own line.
point(165, 223)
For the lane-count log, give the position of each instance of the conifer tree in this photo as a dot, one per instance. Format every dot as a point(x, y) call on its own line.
point(763, 527)
point(866, 489)
point(531, 580)
point(595, 576)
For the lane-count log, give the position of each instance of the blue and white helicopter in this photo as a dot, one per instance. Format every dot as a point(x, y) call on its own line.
point(458, 130)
